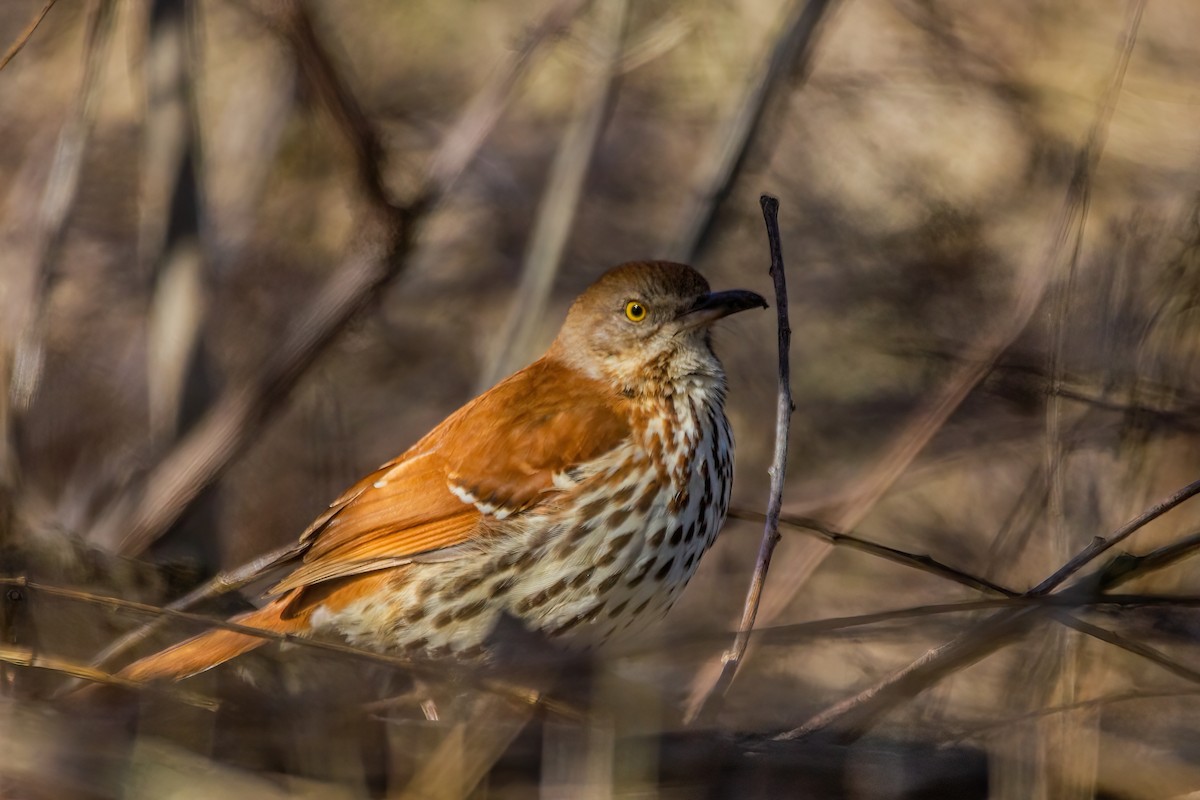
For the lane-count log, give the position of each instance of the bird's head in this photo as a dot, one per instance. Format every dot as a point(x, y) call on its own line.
point(645, 322)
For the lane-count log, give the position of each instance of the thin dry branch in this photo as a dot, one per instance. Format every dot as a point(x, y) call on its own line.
point(23, 37)
point(1100, 544)
point(787, 66)
point(1125, 567)
point(440, 671)
point(139, 517)
point(222, 583)
point(26, 657)
point(921, 561)
point(705, 702)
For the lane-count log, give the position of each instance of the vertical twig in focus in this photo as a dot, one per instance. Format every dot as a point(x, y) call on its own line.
point(703, 705)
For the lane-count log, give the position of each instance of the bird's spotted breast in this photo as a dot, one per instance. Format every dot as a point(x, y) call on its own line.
point(622, 541)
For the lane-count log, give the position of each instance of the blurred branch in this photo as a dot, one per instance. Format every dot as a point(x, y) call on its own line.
point(787, 66)
point(138, 518)
point(21, 360)
point(560, 200)
point(23, 36)
point(705, 699)
point(1095, 702)
point(483, 112)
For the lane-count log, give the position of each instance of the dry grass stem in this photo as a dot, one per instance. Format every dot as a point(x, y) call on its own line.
point(24, 36)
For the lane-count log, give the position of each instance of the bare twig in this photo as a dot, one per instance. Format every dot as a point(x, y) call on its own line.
point(25, 657)
point(23, 36)
point(132, 522)
point(221, 584)
point(787, 65)
point(1101, 544)
point(440, 671)
point(704, 702)
point(921, 561)
point(1125, 567)
point(560, 200)
point(1137, 648)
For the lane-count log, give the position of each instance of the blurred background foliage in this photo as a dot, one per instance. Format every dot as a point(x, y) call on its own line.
point(991, 221)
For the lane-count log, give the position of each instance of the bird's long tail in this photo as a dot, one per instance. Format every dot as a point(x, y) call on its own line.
point(215, 647)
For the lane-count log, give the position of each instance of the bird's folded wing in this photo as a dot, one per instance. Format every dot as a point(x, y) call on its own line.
point(496, 457)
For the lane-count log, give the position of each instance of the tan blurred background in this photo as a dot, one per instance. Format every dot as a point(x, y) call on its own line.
point(991, 224)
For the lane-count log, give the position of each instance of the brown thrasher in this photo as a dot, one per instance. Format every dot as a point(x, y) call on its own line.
point(577, 495)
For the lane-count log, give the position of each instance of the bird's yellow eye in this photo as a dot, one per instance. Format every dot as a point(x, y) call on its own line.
point(635, 311)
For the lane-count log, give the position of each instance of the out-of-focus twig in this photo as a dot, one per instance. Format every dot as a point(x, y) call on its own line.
point(135, 520)
point(560, 200)
point(23, 37)
point(787, 65)
point(705, 700)
point(21, 359)
point(482, 113)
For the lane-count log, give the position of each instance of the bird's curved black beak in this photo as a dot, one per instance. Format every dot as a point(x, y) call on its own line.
point(715, 305)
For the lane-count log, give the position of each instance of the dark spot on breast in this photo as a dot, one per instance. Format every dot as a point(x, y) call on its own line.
point(639, 609)
point(471, 609)
point(619, 516)
point(664, 569)
point(608, 583)
point(445, 618)
point(617, 609)
point(691, 531)
point(583, 577)
point(501, 587)
point(594, 508)
point(473, 652)
point(641, 573)
point(468, 583)
point(542, 597)
point(658, 536)
point(677, 535)
point(687, 564)
point(579, 619)
point(416, 644)
point(614, 549)
point(623, 497)
point(679, 501)
point(416, 615)
point(441, 651)
point(647, 499)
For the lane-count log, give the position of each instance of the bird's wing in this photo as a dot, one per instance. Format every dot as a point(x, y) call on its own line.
point(494, 458)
